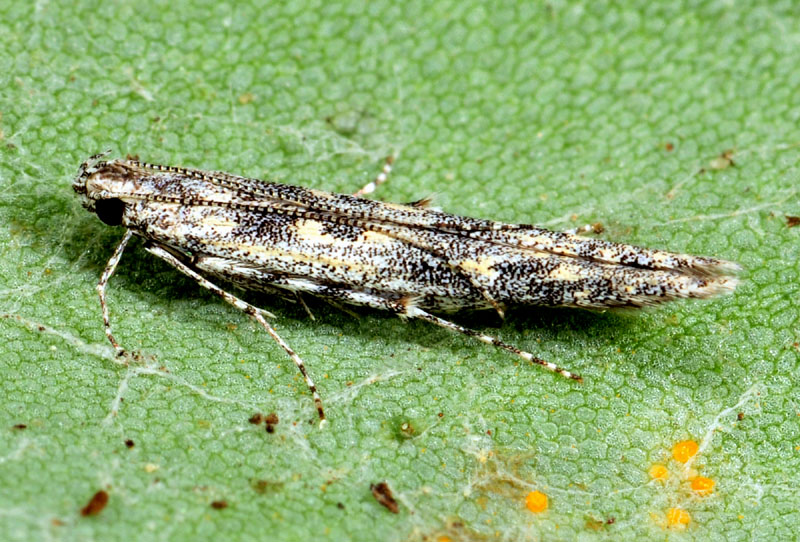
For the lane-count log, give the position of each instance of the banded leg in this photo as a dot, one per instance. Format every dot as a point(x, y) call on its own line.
point(111, 266)
point(247, 308)
point(597, 227)
point(382, 177)
point(415, 312)
point(406, 308)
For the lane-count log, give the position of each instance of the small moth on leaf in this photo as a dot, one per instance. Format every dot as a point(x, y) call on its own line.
point(408, 259)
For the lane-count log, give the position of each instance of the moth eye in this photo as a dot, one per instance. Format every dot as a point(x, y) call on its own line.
point(110, 211)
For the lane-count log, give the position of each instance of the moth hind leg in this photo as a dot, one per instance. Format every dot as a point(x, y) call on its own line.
point(410, 310)
point(405, 307)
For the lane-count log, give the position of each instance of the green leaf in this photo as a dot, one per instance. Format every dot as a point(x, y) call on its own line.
point(675, 126)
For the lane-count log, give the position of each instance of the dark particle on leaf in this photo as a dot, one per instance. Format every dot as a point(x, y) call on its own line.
point(129, 443)
point(669, 146)
point(740, 416)
point(20, 426)
point(271, 420)
point(96, 504)
point(256, 418)
point(219, 505)
point(340, 505)
point(792, 221)
point(611, 520)
point(384, 496)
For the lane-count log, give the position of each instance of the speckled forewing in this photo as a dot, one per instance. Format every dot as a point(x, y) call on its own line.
point(253, 232)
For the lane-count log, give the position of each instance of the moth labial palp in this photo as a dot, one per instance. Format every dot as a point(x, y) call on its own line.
point(408, 259)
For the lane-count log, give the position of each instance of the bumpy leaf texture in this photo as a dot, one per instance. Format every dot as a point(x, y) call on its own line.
point(675, 125)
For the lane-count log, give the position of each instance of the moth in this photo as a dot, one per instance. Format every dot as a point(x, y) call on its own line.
point(408, 259)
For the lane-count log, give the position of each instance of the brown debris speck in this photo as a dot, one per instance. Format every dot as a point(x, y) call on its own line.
point(740, 416)
point(96, 504)
point(219, 505)
point(792, 221)
point(129, 443)
point(384, 496)
point(256, 418)
point(20, 426)
point(271, 420)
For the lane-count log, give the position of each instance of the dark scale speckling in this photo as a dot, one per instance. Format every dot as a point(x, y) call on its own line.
point(407, 259)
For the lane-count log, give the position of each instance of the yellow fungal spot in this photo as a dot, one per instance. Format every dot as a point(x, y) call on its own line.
point(685, 450)
point(444, 539)
point(678, 517)
point(702, 485)
point(536, 501)
point(658, 472)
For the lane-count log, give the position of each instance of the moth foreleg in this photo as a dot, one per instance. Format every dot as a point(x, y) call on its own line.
point(111, 266)
point(247, 308)
point(412, 311)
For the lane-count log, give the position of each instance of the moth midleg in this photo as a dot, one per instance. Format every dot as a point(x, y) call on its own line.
point(382, 177)
point(111, 266)
point(247, 308)
point(586, 228)
point(597, 227)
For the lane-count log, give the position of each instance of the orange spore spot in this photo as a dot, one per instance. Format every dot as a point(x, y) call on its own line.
point(678, 517)
point(536, 501)
point(684, 451)
point(658, 472)
point(702, 485)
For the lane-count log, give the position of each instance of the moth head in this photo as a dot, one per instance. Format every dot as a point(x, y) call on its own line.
point(91, 184)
